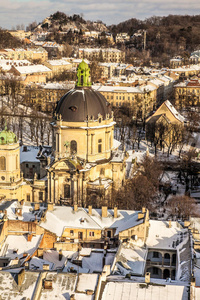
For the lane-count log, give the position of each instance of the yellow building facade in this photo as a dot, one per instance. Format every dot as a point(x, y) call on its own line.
point(187, 94)
point(12, 184)
point(86, 166)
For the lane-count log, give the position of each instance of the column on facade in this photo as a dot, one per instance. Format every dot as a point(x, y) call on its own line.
point(60, 143)
point(89, 144)
point(52, 188)
point(92, 144)
point(56, 188)
point(75, 191)
point(49, 187)
point(170, 263)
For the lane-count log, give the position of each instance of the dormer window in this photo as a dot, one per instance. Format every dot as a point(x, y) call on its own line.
point(73, 108)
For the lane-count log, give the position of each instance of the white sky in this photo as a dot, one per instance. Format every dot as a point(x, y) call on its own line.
point(15, 12)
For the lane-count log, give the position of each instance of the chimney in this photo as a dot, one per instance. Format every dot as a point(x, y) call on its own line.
point(186, 223)
point(104, 211)
point(36, 206)
point(147, 277)
point(115, 212)
point(60, 254)
point(29, 237)
point(45, 267)
point(170, 223)
point(18, 211)
point(140, 215)
point(90, 210)
point(50, 206)
point(47, 284)
point(75, 207)
point(40, 252)
point(193, 281)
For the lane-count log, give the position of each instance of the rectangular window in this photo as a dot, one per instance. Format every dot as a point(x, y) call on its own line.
point(91, 233)
point(71, 232)
point(117, 97)
point(102, 171)
point(41, 196)
point(28, 197)
point(66, 191)
point(99, 145)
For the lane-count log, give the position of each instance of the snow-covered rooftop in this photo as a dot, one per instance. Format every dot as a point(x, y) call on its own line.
point(10, 289)
point(15, 245)
point(131, 259)
point(141, 291)
point(62, 217)
point(162, 236)
point(32, 69)
point(174, 111)
point(29, 154)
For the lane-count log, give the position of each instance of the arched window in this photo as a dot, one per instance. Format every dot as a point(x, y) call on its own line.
point(17, 162)
point(73, 147)
point(2, 163)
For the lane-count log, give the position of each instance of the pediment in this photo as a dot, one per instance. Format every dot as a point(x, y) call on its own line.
point(66, 165)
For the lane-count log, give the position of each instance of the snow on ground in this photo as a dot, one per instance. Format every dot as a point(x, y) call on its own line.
point(31, 127)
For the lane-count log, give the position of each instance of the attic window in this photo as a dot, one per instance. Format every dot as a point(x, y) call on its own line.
point(73, 108)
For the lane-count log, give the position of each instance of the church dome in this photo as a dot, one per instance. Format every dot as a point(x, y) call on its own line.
point(7, 137)
point(82, 103)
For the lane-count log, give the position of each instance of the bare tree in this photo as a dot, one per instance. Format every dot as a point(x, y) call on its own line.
point(182, 207)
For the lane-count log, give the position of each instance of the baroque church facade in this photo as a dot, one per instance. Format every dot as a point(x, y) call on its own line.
point(87, 166)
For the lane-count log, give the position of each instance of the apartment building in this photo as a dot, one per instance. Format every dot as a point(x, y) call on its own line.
point(29, 54)
point(107, 54)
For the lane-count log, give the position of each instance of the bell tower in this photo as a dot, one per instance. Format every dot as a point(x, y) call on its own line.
point(83, 75)
point(9, 158)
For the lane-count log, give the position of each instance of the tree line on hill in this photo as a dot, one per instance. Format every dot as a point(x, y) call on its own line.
point(165, 36)
point(8, 41)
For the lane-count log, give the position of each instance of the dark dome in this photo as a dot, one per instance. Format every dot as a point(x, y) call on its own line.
point(82, 103)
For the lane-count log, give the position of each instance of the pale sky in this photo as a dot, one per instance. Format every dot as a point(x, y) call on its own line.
point(14, 12)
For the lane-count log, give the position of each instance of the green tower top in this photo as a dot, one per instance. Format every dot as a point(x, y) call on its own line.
point(7, 137)
point(83, 74)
